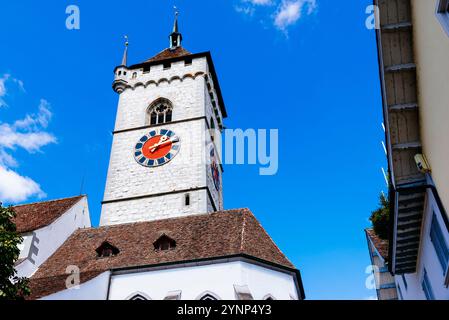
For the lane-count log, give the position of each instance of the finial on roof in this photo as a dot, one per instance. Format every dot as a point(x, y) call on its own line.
point(125, 54)
point(175, 36)
point(175, 25)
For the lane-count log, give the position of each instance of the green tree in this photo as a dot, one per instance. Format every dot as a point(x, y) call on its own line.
point(12, 287)
point(380, 218)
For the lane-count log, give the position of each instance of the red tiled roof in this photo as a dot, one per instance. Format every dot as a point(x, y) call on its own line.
point(380, 244)
point(205, 236)
point(169, 53)
point(34, 216)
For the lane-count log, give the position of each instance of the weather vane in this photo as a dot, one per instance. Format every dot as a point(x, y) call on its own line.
point(126, 40)
point(176, 10)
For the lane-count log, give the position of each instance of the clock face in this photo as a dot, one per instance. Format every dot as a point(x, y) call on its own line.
point(157, 148)
point(215, 171)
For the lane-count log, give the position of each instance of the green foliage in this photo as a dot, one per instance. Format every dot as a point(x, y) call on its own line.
point(12, 287)
point(380, 218)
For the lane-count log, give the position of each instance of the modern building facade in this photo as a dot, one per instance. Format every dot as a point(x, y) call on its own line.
point(413, 45)
point(163, 232)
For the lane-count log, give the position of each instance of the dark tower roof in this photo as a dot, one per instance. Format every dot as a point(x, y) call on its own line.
point(175, 36)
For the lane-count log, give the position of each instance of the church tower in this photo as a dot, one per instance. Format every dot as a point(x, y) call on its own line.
point(164, 159)
point(163, 233)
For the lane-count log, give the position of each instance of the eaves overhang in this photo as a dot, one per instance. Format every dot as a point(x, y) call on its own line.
point(397, 71)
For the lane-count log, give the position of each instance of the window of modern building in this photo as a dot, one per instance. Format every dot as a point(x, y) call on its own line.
point(439, 243)
point(426, 286)
point(159, 112)
point(443, 14)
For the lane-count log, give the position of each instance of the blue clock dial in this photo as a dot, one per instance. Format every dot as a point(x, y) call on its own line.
point(157, 148)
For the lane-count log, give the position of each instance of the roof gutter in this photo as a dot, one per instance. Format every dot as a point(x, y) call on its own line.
point(384, 101)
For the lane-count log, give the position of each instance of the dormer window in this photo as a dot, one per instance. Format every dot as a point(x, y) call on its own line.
point(164, 243)
point(107, 250)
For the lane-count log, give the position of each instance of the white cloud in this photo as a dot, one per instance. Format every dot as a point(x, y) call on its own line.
point(260, 2)
point(3, 91)
point(248, 7)
point(7, 159)
point(35, 120)
point(16, 188)
point(3, 79)
point(289, 12)
point(2, 84)
point(249, 11)
point(19, 83)
point(30, 141)
point(28, 134)
point(282, 13)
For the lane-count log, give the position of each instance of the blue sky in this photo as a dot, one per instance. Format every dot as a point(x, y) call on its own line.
point(307, 68)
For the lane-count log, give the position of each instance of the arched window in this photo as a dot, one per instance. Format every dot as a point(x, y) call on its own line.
point(160, 112)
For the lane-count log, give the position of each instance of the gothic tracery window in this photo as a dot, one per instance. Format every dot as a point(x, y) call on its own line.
point(160, 112)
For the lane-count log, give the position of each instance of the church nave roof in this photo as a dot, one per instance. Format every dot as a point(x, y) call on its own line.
point(198, 237)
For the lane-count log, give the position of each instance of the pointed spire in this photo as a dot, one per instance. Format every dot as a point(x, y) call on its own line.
point(175, 25)
point(175, 36)
point(125, 54)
